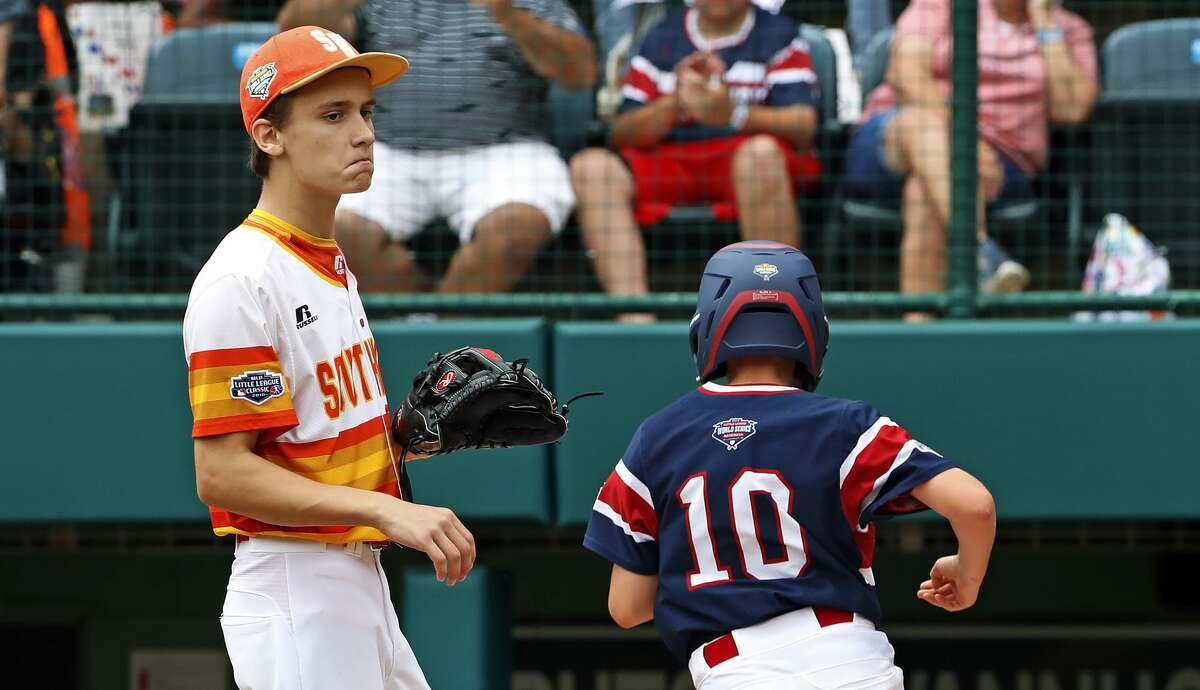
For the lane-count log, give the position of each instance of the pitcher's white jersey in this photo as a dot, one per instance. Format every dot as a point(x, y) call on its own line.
point(277, 342)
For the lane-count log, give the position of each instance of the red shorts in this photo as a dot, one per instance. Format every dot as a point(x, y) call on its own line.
point(700, 172)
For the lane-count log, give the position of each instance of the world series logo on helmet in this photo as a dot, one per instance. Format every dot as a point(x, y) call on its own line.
point(734, 431)
point(766, 271)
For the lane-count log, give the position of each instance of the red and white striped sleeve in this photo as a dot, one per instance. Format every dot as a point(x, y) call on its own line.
point(644, 82)
point(790, 77)
point(878, 475)
point(624, 525)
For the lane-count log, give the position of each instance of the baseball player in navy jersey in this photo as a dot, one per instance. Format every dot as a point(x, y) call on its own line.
point(742, 516)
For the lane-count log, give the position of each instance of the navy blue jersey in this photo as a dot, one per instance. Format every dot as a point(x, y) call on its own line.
point(751, 501)
point(766, 63)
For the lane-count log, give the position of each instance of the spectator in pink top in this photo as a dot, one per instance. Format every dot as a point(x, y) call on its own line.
point(1037, 65)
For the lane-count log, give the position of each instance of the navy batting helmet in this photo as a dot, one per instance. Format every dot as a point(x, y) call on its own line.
point(760, 298)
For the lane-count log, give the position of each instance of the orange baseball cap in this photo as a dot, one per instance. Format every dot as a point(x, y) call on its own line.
point(300, 56)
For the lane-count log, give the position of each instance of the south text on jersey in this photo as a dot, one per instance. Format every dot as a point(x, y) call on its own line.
point(344, 379)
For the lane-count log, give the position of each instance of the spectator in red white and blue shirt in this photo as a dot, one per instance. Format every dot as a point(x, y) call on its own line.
point(719, 108)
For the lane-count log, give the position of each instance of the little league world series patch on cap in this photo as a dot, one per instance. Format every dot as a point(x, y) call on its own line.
point(300, 56)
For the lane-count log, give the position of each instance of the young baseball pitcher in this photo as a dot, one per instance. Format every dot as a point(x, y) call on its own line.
point(742, 516)
point(291, 432)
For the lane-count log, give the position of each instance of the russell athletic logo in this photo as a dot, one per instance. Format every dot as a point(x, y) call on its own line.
point(256, 386)
point(303, 316)
point(733, 431)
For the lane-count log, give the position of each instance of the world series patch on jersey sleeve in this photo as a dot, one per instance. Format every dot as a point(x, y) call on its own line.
point(749, 502)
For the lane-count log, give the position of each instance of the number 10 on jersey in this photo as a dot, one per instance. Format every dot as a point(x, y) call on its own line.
point(693, 496)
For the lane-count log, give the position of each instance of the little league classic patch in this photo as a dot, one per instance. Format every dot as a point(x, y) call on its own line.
point(733, 431)
point(256, 386)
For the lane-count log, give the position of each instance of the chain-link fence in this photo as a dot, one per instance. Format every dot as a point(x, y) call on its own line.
point(125, 159)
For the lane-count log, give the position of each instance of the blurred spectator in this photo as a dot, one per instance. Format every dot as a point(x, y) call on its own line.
point(719, 108)
point(9, 10)
point(621, 23)
point(205, 12)
point(461, 137)
point(614, 19)
point(1037, 64)
point(47, 219)
point(864, 19)
point(113, 40)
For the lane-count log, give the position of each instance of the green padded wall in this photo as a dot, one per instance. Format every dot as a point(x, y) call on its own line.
point(1061, 420)
point(462, 635)
point(98, 425)
point(102, 427)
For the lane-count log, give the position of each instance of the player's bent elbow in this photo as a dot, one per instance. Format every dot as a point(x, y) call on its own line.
point(208, 485)
point(210, 476)
point(980, 507)
point(625, 614)
point(624, 618)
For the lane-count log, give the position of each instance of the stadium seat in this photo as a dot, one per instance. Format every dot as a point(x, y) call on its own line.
point(183, 175)
point(203, 63)
point(1154, 59)
point(885, 219)
point(569, 115)
point(1147, 140)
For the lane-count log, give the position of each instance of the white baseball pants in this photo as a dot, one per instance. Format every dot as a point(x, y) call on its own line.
point(793, 652)
point(305, 615)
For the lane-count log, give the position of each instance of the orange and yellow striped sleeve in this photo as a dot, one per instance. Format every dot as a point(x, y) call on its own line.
point(235, 379)
point(238, 389)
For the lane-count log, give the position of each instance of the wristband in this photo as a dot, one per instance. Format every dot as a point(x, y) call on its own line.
point(1054, 35)
point(737, 119)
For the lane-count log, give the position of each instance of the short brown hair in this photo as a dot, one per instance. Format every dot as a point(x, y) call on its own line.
point(277, 114)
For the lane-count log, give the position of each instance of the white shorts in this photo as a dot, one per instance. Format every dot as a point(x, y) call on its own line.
point(793, 652)
point(413, 188)
point(304, 614)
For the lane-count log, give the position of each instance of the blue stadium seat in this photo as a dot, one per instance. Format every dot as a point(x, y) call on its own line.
point(569, 115)
point(1153, 59)
point(183, 175)
point(1147, 137)
point(203, 63)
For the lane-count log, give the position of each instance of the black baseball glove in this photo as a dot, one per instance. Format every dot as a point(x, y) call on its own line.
point(472, 398)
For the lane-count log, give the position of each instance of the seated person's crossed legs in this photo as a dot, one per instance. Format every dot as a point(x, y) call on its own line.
point(902, 155)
